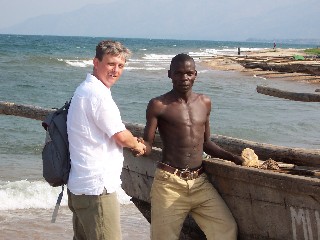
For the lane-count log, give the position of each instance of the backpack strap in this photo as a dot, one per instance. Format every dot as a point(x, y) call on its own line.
point(56, 208)
point(60, 122)
point(48, 119)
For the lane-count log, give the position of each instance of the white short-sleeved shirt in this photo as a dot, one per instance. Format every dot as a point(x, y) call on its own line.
point(96, 159)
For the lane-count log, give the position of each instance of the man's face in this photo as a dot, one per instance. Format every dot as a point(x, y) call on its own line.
point(109, 70)
point(183, 75)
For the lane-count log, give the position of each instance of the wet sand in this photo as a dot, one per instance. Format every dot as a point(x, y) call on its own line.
point(34, 224)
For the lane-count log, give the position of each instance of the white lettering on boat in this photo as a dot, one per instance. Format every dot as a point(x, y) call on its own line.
point(308, 221)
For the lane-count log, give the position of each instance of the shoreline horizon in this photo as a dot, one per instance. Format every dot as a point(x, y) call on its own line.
point(275, 56)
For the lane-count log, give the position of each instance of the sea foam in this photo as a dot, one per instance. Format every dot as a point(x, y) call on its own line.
point(26, 194)
point(79, 63)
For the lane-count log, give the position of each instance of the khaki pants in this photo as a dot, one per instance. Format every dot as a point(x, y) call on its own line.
point(95, 217)
point(173, 198)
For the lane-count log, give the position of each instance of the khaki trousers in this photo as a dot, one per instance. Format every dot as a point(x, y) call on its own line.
point(173, 198)
point(95, 217)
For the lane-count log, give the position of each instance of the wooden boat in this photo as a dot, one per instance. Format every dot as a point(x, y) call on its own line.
point(303, 97)
point(267, 204)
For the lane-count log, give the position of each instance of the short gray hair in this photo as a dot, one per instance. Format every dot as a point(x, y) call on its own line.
point(113, 48)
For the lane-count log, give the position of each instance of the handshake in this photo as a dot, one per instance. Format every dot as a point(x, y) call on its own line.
point(140, 149)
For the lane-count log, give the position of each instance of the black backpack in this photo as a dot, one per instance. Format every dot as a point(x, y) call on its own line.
point(55, 153)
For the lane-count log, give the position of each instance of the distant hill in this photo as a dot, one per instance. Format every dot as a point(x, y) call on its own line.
point(182, 19)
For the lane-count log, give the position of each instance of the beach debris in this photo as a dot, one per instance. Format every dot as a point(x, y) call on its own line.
point(205, 156)
point(270, 164)
point(250, 158)
point(298, 57)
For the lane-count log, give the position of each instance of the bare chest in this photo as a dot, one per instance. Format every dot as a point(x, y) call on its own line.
point(185, 114)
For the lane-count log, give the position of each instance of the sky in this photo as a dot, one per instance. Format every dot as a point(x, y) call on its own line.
point(177, 19)
point(16, 11)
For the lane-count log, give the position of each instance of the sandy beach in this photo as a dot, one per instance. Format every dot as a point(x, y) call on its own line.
point(283, 57)
point(35, 224)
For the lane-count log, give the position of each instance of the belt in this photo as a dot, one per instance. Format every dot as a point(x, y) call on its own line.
point(185, 174)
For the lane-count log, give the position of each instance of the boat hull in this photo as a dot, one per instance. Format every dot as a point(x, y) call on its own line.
point(265, 204)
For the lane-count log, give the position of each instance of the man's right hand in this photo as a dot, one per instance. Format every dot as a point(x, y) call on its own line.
point(140, 149)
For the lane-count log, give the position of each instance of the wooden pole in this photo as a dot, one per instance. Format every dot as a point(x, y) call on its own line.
point(302, 97)
point(27, 111)
point(298, 156)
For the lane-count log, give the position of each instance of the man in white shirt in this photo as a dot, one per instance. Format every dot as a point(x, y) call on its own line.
point(97, 136)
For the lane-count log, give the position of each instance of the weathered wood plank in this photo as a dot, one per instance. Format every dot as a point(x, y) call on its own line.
point(298, 156)
point(302, 97)
point(21, 110)
point(265, 204)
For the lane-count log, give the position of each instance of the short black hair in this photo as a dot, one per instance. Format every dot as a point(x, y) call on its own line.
point(182, 57)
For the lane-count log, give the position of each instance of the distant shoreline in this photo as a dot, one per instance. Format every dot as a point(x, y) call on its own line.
point(277, 56)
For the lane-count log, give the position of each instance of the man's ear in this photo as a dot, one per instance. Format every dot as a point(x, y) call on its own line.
point(95, 62)
point(195, 73)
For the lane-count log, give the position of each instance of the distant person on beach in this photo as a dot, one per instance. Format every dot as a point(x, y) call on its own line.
point(97, 136)
point(274, 45)
point(180, 184)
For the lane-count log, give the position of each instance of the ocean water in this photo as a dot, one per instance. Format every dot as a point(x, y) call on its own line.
point(45, 70)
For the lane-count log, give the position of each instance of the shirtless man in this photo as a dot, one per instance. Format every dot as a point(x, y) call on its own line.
point(180, 185)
